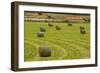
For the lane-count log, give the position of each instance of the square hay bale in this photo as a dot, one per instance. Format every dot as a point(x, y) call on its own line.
point(42, 29)
point(44, 51)
point(58, 28)
point(40, 34)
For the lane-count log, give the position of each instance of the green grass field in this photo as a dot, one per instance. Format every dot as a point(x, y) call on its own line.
point(66, 43)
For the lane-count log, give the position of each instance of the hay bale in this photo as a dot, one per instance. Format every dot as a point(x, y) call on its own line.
point(40, 13)
point(58, 28)
point(82, 27)
point(44, 51)
point(50, 24)
point(49, 16)
point(69, 24)
point(42, 29)
point(40, 34)
point(82, 30)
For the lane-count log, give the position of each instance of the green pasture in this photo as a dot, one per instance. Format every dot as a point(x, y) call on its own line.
point(65, 44)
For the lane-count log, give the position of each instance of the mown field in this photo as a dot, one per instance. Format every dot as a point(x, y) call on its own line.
point(66, 43)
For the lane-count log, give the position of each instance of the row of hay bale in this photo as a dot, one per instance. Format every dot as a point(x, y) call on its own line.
point(57, 27)
point(43, 29)
point(82, 30)
point(45, 51)
point(41, 32)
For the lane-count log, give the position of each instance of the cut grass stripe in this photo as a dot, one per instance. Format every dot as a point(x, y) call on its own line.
point(56, 49)
point(81, 50)
point(30, 50)
point(82, 44)
point(78, 51)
